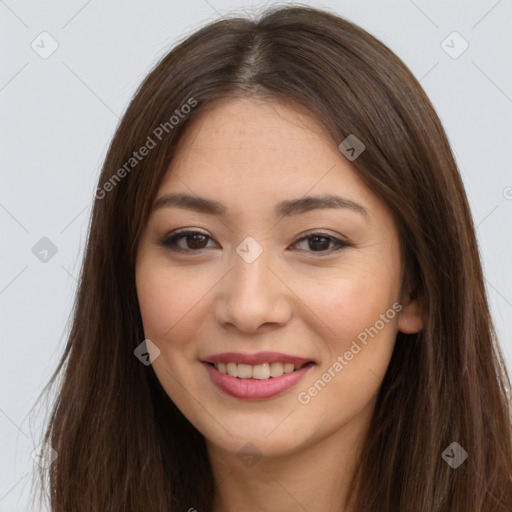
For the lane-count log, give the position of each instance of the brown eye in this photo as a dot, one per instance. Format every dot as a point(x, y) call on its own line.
point(187, 241)
point(321, 243)
point(196, 241)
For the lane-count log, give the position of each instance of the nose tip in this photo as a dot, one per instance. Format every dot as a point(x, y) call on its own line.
point(252, 297)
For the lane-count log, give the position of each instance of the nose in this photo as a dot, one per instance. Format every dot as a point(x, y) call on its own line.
point(253, 297)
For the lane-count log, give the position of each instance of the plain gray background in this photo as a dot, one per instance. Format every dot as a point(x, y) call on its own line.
point(59, 112)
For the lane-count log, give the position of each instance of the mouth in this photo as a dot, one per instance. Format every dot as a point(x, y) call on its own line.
point(256, 376)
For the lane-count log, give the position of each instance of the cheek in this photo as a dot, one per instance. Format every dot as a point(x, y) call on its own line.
point(358, 322)
point(169, 311)
point(156, 304)
point(358, 344)
point(169, 300)
point(346, 306)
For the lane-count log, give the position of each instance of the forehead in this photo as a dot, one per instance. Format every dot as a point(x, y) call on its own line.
point(239, 137)
point(243, 150)
point(254, 116)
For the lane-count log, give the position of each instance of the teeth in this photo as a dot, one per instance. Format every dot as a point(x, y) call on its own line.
point(244, 371)
point(231, 369)
point(276, 369)
point(288, 367)
point(259, 371)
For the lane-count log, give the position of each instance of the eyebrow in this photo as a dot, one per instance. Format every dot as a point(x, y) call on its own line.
point(285, 208)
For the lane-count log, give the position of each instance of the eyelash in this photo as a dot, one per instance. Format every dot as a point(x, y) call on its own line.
point(170, 242)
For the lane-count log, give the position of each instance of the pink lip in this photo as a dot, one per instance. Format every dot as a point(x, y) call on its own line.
point(253, 359)
point(254, 389)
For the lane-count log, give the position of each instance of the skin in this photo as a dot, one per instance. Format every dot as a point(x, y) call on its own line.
point(250, 154)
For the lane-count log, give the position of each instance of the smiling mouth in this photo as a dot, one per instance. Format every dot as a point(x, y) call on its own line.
point(262, 371)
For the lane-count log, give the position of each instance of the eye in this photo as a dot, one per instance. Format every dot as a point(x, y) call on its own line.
point(186, 241)
point(321, 243)
point(195, 241)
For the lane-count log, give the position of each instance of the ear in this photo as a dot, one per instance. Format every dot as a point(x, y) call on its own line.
point(411, 319)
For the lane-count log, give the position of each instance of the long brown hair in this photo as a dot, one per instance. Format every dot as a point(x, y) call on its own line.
point(121, 442)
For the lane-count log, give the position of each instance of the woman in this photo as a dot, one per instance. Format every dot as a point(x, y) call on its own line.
point(281, 305)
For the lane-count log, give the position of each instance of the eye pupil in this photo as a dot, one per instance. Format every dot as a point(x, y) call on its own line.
point(319, 243)
point(196, 241)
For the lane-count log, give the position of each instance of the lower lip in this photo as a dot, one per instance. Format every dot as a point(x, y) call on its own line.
point(255, 389)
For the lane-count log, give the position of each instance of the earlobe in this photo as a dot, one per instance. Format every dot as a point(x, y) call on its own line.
point(411, 319)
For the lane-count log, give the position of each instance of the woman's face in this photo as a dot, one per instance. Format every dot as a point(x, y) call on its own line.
point(265, 251)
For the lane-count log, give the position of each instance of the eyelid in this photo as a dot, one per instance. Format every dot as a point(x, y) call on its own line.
point(320, 232)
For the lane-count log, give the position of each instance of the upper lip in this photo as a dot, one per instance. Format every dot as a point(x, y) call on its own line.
point(253, 359)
